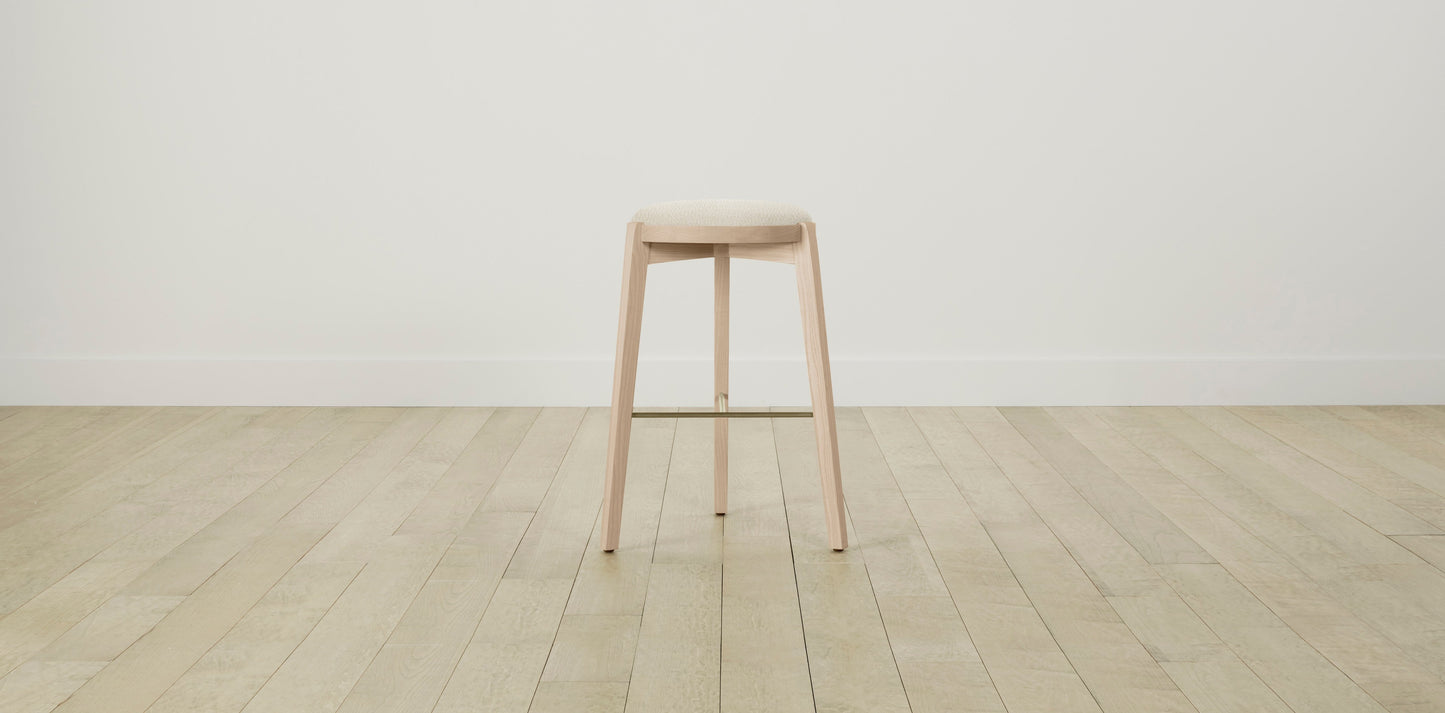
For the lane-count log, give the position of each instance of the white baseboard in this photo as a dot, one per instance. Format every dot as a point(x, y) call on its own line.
point(755, 382)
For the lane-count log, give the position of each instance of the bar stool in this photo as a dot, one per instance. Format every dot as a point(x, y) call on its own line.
point(722, 230)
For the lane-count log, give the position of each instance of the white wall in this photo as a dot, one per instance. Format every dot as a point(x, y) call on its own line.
point(1036, 202)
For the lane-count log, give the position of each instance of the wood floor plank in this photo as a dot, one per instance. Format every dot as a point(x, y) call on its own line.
point(1363, 438)
point(897, 565)
point(764, 658)
point(381, 513)
point(1220, 535)
point(460, 490)
point(190, 563)
point(319, 674)
point(411, 670)
point(503, 661)
point(1169, 629)
point(1041, 500)
point(524, 481)
point(1153, 536)
point(1354, 541)
point(849, 657)
point(567, 513)
point(803, 495)
point(1347, 495)
point(442, 615)
point(1430, 548)
point(38, 420)
point(437, 623)
point(593, 647)
point(146, 434)
point(39, 686)
point(88, 450)
point(30, 524)
point(1435, 416)
point(579, 697)
point(936, 658)
point(73, 529)
point(54, 610)
point(688, 530)
point(229, 674)
point(1316, 550)
point(755, 503)
point(1373, 661)
point(1422, 446)
point(851, 664)
point(1226, 686)
point(177, 635)
point(72, 455)
point(616, 582)
point(1019, 654)
point(135, 679)
point(1368, 624)
point(678, 664)
point(949, 687)
point(1348, 528)
point(897, 556)
point(1427, 504)
point(597, 637)
point(1017, 559)
point(1118, 670)
point(24, 420)
point(59, 436)
point(335, 499)
point(1420, 419)
point(561, 446)
point(40, 621)
point(182, 518)
point(1299, 675)
point(110, 629)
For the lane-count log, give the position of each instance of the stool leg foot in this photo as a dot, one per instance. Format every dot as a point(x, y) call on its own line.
point(624, 382)
point(820, 381)
point(721, 269)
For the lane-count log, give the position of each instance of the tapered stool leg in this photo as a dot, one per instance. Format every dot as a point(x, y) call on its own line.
point(721, 269)
point(624, 382)
point(820, 382)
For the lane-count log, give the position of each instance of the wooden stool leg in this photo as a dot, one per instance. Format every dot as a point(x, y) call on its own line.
point(820, 381)
point(721, 268)
point(624, 382)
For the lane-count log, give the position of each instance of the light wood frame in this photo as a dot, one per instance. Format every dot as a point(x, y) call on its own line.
point(792, 244)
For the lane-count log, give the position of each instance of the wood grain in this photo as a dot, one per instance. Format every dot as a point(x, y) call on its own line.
point(1014, 559)
point(624, 383)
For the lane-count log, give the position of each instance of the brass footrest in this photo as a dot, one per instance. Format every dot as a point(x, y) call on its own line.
point(722, 414)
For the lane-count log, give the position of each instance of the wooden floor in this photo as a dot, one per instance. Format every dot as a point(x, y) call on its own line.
point(1018, 559)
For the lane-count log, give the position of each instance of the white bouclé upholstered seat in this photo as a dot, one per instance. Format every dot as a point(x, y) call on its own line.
point(721, 213)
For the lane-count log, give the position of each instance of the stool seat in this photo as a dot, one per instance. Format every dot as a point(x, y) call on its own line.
point(721, 213)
